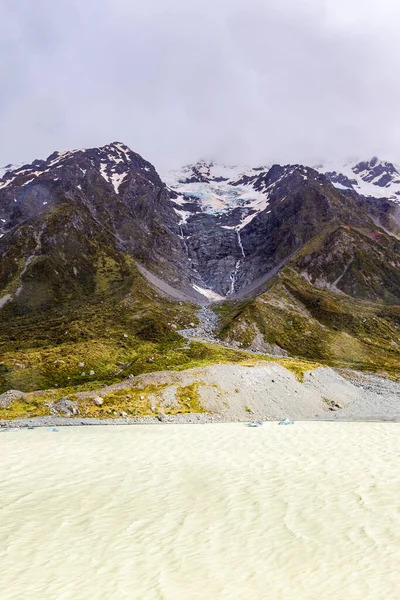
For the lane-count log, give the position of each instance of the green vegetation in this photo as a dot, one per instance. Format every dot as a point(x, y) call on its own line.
point(318, 324)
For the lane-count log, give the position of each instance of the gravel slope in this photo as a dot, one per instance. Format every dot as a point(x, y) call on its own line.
point(262, 392)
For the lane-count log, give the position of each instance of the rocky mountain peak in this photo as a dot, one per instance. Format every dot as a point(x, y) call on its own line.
point(374, 177)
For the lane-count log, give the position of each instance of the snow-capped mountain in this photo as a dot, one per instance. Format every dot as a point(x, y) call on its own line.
point(113, 162)
point(375, 178)
point(222, 190)
point(218, 188)
point(208, 228)
point(280, 246)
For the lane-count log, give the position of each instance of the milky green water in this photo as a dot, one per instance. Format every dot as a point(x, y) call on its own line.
point(309, 511)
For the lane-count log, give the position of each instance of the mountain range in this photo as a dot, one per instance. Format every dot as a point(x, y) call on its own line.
point(95, 245)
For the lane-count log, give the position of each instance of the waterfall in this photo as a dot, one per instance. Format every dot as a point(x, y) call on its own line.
point(233, 277)
point(182, 237)
point(240, 243)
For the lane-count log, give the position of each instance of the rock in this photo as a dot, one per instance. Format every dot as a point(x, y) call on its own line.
point(98, 401)
point(9, 397)
point(65, 407)
point(20, 366)
point(83, 374)
point(142, 397)
point(131, 376)
point(123, 414)
point(150, 360)
point(91, 373)
point(124, 335)
point(191, 324)
point(162, 417)
point(81, 364)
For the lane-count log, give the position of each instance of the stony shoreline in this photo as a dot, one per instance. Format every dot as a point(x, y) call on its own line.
point(51, 422)
point(359, 396)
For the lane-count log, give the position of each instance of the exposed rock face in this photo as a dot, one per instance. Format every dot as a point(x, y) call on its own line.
point(65, 407)
point(69, 224)
point(268, 215)
point(9, 397)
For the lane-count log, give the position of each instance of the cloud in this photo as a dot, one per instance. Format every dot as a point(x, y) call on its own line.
point(239, 80)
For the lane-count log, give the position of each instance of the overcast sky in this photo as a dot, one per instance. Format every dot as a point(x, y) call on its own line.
point(238, 80)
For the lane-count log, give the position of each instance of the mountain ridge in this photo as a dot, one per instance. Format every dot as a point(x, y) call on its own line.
point(99, 232)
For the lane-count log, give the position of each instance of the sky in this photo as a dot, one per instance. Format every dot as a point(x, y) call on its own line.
point(240, 81)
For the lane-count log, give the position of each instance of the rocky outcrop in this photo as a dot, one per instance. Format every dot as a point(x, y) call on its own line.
point(7, 399)
point(65, 407)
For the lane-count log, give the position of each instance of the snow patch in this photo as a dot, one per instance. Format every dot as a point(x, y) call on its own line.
point(117, 179)
point(184, 215)
point(208, 293)
point(103, 167)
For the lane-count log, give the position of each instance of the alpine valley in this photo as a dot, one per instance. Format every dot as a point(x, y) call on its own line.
point(106, 263)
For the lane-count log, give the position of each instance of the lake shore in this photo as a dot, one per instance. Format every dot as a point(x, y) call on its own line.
point(263, 393)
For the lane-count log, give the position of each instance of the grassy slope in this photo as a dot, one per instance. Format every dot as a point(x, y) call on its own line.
point(318, 324)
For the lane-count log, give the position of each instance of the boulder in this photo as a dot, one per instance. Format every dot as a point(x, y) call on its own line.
point(98, 401)
point(9, 397)
point(81, 364)
point(65, 407)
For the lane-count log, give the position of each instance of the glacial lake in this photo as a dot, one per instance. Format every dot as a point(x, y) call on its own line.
point(201, 512)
